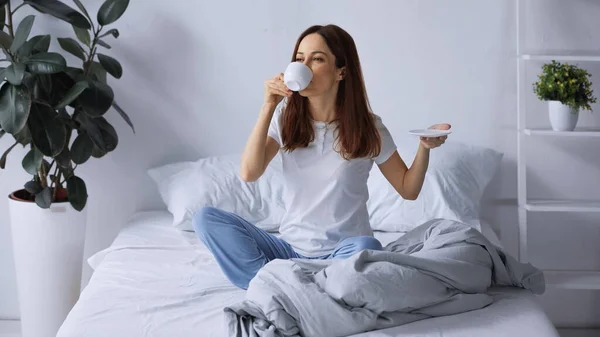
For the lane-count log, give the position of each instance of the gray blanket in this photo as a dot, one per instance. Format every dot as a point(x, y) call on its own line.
point(440, 268)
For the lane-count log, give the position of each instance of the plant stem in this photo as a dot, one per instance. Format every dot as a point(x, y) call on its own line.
point(10, 21)
point(19, 6)
point(88, 63)
point(56, 178)
point(42, 176)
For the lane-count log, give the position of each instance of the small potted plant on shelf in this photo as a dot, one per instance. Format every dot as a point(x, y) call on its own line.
point(56, 112)
point(568, 89)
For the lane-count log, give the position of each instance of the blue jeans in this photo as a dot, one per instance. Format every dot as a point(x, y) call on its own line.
point(241, 248)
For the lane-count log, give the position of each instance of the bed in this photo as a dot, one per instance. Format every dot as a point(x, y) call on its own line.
point(157, 280)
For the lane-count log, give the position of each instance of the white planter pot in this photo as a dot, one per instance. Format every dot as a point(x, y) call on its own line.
point(48, 253)
point(562, 117)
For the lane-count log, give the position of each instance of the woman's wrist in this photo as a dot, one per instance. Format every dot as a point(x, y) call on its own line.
point(422, 147)
point(268, 107)
point(269, 104)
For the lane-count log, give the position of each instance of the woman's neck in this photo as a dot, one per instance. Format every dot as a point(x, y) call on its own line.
point(322, 108)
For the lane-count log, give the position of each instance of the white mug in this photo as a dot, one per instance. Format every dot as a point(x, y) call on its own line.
point(297, 76)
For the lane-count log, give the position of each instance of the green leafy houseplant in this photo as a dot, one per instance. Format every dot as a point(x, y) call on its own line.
point(54, 109)
point(566, 83)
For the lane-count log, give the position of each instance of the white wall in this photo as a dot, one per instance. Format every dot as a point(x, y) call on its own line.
point(192, 83)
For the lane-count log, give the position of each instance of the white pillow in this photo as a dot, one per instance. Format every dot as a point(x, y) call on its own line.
point(186, 187)
point(454, 184)
point(456, 178)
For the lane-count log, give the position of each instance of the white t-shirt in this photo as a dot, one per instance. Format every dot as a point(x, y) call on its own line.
point(325, 194)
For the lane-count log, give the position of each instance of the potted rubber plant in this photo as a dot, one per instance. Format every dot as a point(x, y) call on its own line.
point(55, 111)
point(568, 90)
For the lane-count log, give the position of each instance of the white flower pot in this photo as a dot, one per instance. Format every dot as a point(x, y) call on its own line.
point(48, 253)
point(562, 117)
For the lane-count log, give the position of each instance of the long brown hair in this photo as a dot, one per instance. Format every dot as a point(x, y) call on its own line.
point(357, 134)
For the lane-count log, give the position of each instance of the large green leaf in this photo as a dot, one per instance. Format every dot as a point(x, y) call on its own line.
point(15, 73)
point(47, 132)
point(101, 132)
point(77, 192)
point(92, 129)
point(114, 32)
point(111, 65)
point(98, 152)
point(82, 148)
point(52, 88)
point(64, 158)
point(35, 45)
point(109, 134)
point(15, 104)
point(83, 10)
point(46, 63)
point(98, 72)
point(96, 99)
point(33, 161)
point(83, 35)
point(72, 94)
point(60, 11)
point(22, 33)
point(111, 11)
point(44, 198)
point(5, 40)
point(5, 155)
point(72, 47)
point(124, 115)
point(41, 86)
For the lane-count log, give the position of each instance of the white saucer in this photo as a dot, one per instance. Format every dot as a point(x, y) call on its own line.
point(429, 132)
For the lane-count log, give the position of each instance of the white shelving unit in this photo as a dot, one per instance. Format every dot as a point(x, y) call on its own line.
point(570, 58)
point(536, 205)
point(578, 132)
point(576, 280)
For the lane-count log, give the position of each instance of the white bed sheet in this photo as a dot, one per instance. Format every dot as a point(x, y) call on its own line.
point(155, 280)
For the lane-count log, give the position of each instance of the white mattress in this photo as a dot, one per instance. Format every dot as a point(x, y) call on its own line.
point(155, 281)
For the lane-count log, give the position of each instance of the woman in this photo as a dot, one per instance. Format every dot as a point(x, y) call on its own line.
point(328, 139)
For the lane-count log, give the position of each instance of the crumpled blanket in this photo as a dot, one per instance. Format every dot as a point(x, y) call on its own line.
point(442, 267)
